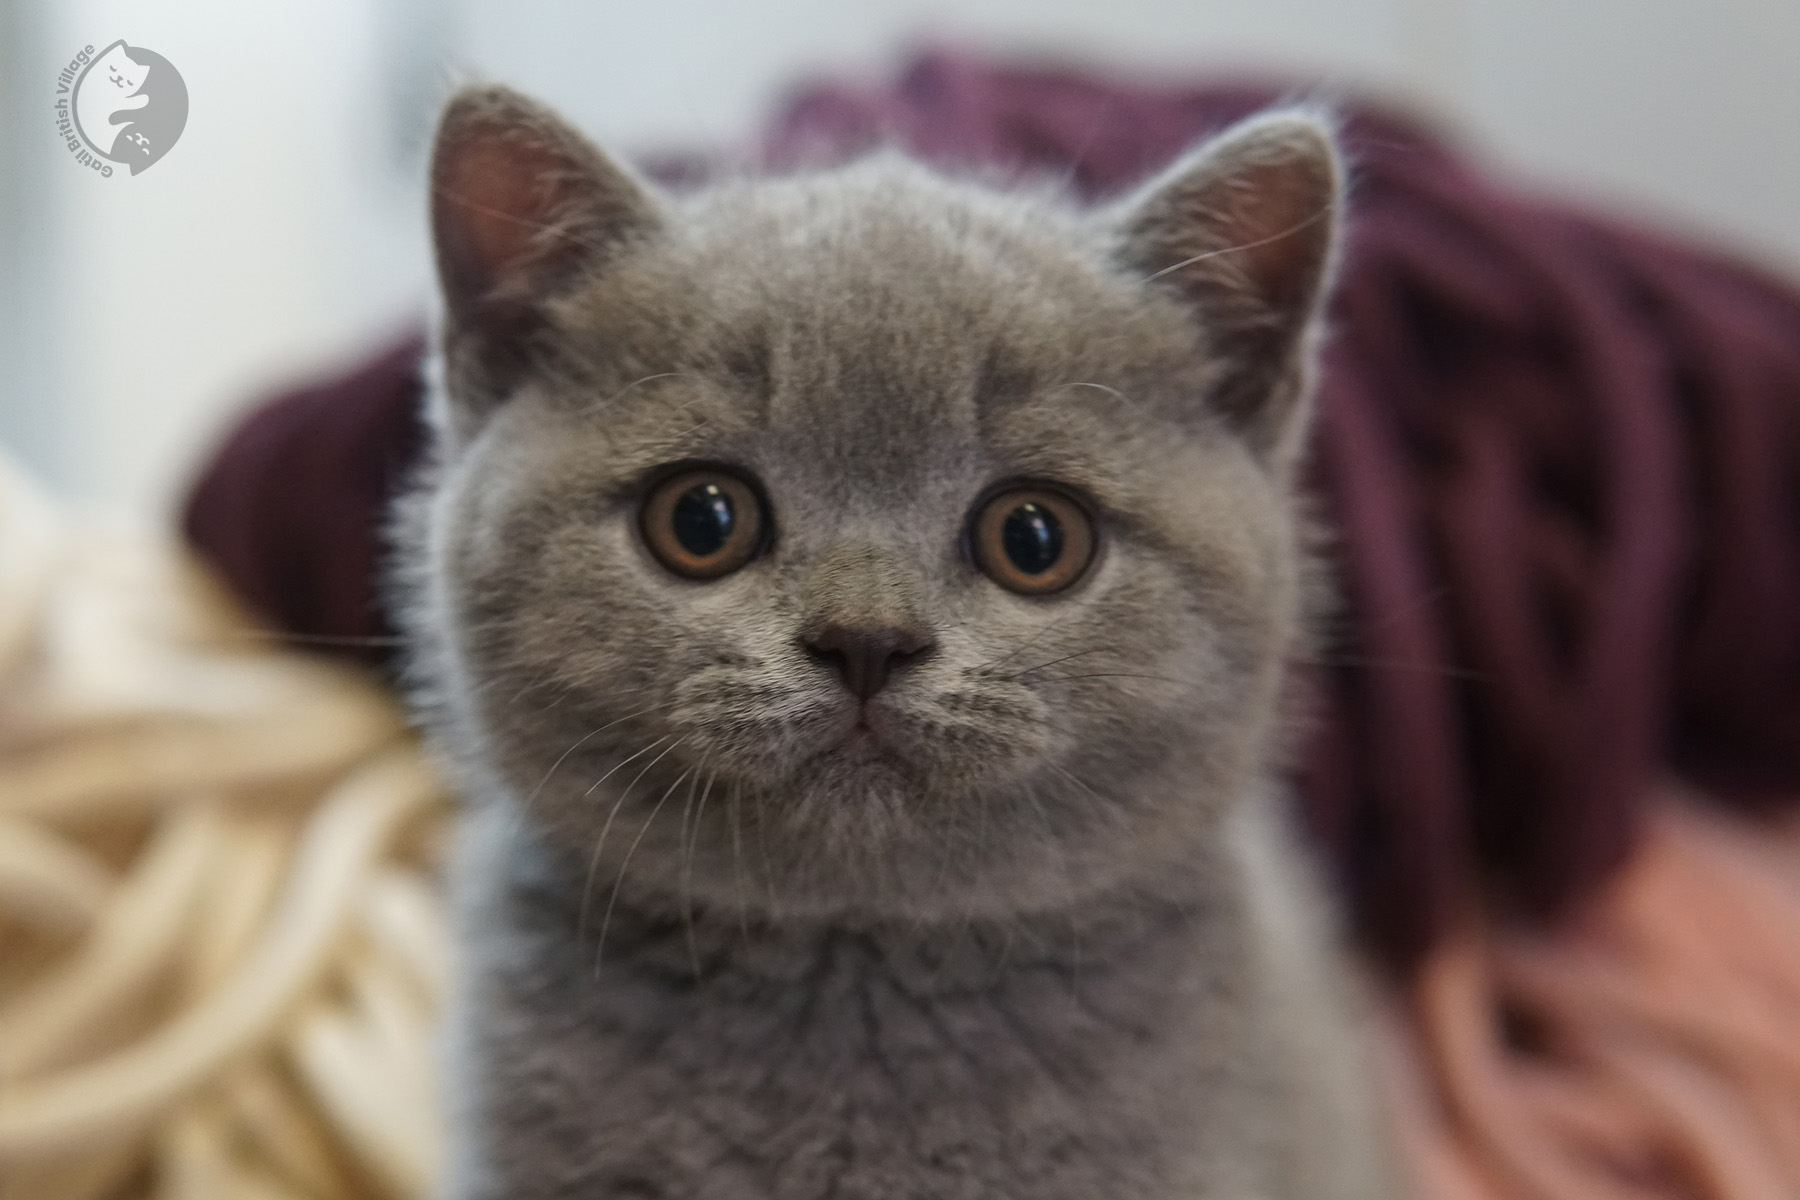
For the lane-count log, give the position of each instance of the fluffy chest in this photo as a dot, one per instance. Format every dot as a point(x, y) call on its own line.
point(842, 1068)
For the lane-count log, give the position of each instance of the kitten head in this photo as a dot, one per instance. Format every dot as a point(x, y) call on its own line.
point(865, 542)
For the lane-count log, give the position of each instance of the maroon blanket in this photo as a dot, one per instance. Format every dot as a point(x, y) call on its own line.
point(1562, 458)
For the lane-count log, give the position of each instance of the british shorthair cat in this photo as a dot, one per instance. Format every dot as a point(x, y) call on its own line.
point(854, 608)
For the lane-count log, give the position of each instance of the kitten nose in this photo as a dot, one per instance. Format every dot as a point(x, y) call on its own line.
point(865, 655)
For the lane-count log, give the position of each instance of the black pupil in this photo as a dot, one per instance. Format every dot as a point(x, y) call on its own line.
point(704, 519)
point(1032, 538)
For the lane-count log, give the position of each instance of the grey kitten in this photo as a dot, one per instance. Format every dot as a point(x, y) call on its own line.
point(855, 608)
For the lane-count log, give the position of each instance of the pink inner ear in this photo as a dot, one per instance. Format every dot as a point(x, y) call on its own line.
point(1272, 221)
point(496, 192)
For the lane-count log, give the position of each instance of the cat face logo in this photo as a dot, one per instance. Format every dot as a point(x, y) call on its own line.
point(130, 105)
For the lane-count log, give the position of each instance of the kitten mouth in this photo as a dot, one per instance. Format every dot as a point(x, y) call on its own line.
point(868, 734)
point(862, 744)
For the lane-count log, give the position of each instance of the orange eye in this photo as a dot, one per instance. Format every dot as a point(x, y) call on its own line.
point(1032, 540)
point(703, 523)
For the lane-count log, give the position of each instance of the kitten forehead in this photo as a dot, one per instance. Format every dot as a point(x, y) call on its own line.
point(887, 243)
point(876, 318)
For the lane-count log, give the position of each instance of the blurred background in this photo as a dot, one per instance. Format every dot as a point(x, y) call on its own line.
point(283, 236)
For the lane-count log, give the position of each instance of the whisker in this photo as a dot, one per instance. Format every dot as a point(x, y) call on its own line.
point(687, 862)
point(545, 228)
point(734, 802)
point(587, 888)
point(687, 810)
point(1054, 661)
point(637, 383)
point(1028, 642)
point(1331, 660)
point(1312, 219)
point(1042, 814)
point(1099, 387)
point(578, 744)
point(282, 637)
point(623, 762)
point(1075, 779)
point(1075, 960)
point(762, 846)
point(1387, 664)
point(983, 811)
point(1186, 683)
point(625, 863)
point(1388, 618)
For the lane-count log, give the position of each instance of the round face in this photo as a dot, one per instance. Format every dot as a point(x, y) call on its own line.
point(858, 544)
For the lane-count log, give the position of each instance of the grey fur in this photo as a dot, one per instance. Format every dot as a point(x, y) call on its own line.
point(1054, 940)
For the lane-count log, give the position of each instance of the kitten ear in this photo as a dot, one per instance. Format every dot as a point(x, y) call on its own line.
point(521, 204)
point(1245, 228)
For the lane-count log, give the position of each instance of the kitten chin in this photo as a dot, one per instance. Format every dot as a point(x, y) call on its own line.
point(855, 608)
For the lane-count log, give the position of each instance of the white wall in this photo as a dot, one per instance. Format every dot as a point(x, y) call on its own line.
point(273, 238)
point(1686, 110)
point(706, 70)
point(283, 232)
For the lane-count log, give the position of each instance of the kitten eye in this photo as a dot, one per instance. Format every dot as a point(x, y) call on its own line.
point(1032, 540)
point(703, 523)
